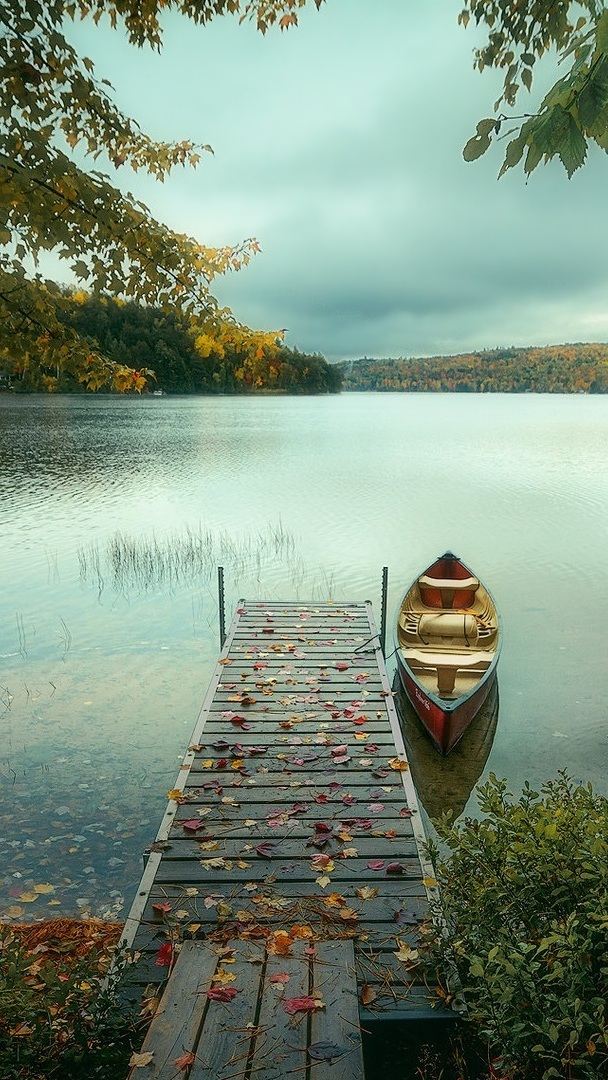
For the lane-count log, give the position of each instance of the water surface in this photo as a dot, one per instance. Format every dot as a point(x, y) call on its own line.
point(102, 674)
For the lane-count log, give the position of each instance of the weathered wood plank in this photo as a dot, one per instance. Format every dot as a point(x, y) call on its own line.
point(226, 1038)
point(180, 1015)
point(337, 1026)
point(281, 1045)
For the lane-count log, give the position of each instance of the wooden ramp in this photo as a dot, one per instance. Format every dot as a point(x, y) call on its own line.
point(292, 835)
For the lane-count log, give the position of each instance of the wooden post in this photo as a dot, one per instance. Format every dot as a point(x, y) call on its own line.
point(222, 610)
point(383, 602)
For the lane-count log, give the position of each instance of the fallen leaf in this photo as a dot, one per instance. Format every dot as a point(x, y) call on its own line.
point(399, 764)
point(280, 978)
point(325, 1051)
point(164, 955)
point(368, 994)
point(406, 954)
point(396, 868)
point(139, 1061)
point(430, 882)
point(186, 1059)
point(302, 1004)
point(222, 993)
point(44, 889)
point(375, 864)
point(366, 892)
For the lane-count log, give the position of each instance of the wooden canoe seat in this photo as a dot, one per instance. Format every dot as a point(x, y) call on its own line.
point(449, 664)
point(449, 583)
point(447, 592)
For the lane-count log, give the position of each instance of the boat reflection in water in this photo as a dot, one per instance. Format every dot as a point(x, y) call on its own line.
point(445, 783)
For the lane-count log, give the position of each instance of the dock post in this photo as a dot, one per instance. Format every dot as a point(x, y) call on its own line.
point(222, 609)
point(383, 609)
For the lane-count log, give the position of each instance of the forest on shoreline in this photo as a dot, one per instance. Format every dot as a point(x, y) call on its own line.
point(553, 369)
point(172, 355)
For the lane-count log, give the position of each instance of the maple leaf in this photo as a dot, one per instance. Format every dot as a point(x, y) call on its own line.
point(405, 954)
point(280, 978)
point(164, 955)
point(266, 849)
point(325, 1051)
point(366, 892)
point(368, 994)
point(185, 1060)
point(222, 993)
point(139, 1061)
point(399, 764)
point(302, 1004)
point(162, 909)
point(280, 944)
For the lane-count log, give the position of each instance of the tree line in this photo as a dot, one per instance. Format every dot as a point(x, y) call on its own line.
point(165, 350)
point(555, 369)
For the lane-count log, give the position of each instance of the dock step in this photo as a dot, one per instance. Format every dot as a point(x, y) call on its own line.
point(242, 1011)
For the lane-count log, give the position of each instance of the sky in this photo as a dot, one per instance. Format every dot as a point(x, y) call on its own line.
point(338, 146)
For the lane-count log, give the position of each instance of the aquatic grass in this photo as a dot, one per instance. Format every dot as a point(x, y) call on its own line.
point(170, 560)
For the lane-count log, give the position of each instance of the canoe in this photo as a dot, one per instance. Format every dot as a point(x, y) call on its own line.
point(447, 646)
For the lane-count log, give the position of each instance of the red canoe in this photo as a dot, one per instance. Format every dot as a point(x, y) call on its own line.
point(447, 646)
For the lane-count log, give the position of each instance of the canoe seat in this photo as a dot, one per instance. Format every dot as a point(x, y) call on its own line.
point(449, 583)
point(447, 592)
point(449, 664)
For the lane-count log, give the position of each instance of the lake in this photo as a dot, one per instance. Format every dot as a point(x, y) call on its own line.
point(115, 514)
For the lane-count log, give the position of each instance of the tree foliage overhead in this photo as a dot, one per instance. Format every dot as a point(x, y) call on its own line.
point(574, 112)
point(61, 131)
point(52, 104)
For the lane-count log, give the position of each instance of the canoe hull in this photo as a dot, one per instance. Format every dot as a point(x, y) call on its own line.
point(446, 724)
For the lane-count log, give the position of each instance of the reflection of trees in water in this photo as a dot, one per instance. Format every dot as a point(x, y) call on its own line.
point(445, 783)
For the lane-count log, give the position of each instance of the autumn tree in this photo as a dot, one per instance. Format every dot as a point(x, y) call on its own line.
point(574, 112)
point(58, 120)
point(54, 104)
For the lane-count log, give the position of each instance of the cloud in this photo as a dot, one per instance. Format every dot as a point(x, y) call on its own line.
point(339, 146)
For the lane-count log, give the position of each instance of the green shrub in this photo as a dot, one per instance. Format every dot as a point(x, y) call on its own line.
point(525, 902)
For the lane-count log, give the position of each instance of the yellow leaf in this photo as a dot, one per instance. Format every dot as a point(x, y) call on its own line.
point(399, 764)
point(14, 912)
point(430, 882)
point(44, 888)
point(323, 881)
point(406, 954)
point(222, 976)
point(366, 892)
point(175, 794)
point(139, 1061)
point(28, 897)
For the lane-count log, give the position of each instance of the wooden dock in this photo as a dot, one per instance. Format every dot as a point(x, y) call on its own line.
point(291, 847)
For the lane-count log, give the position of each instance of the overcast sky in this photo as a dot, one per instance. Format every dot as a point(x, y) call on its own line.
point(338, 145)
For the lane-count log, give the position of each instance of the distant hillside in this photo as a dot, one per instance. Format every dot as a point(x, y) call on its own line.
point(556, 369)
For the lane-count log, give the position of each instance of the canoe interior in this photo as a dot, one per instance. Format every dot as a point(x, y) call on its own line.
point(448, 631)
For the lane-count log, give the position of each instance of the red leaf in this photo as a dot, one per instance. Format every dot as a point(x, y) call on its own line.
point(193, 825)
point(395, 868)
point(162, 908)
point(375, 864)
point(341, 666)
point(164, 955)
point(279, 978)
point(222, 993)
point(186, 1059)
point(301, 1004)
point(267, 850)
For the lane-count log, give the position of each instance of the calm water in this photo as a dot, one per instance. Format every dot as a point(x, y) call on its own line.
point(103, 667)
